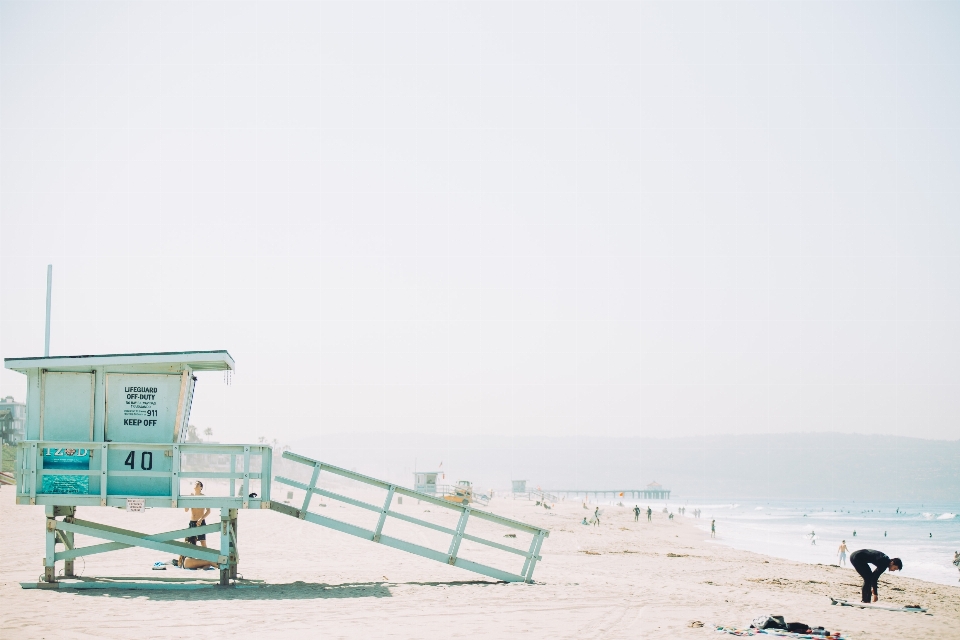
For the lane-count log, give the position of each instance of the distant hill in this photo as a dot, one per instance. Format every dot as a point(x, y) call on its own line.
point(818, 466)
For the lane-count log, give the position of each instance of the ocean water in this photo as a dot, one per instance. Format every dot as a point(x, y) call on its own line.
point(925, 536)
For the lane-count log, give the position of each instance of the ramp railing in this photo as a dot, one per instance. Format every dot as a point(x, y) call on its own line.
point(530, 556)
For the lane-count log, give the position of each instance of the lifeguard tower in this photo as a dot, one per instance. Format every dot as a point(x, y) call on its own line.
point(426, 481)
point(109, 431)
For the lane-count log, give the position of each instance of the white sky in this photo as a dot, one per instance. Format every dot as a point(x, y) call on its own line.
point(558, 218)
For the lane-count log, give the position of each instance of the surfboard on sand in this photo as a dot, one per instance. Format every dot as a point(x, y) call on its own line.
point(875, 605)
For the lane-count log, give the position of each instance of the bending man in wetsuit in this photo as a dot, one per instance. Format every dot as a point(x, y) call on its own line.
point(861, 561)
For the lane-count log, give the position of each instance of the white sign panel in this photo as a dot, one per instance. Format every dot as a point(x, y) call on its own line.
point(135, 504)
point(142, 407)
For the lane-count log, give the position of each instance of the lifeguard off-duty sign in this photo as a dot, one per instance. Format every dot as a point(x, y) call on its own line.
point(142, 407)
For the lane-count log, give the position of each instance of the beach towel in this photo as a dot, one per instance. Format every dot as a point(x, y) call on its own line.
point(735, 631)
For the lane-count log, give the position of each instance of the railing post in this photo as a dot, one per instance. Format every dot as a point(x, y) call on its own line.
point(266, 473)
point(458, 536)
point(233, 469)
point(383, 514)
point(531, 562)
point(246, 476)
point(313, 485)
point(34, 478)
point(175, 477)
point(103, 474)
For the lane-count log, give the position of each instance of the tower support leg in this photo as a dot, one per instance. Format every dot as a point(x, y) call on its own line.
point(234, 542)
point(49, 559)
point(68, 538)
point(225, 546)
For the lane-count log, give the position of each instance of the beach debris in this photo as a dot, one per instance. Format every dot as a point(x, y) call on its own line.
point(677, 555)
point(695, 624)
point(591, 553)
point(509, 535)
point(780, 633)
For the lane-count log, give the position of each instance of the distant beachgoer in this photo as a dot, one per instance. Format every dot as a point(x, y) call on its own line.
point(854, 533)
point(713, 528)
point(636, 513)
point(670, 516)
point(649, 514)
point(197, 517)
point(884, 534)
point(956, 559)
point(596, 516)
point(843, 553)
point(861, 561)
point(813, 538)
point(585, 521)
point(931, 534)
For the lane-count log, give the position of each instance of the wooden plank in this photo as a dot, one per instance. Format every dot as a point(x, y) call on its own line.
point(496, 545)
point(136, 539)
point(422, 523)
point(114, 546)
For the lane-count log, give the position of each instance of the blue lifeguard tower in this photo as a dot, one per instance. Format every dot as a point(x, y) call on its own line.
point(109, 431)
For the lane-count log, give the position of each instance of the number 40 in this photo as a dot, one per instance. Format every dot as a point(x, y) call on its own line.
point(146, 460)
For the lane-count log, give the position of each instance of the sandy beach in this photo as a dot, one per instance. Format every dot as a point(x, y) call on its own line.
point(624, 579)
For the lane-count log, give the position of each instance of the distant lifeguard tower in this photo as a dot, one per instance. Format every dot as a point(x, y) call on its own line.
point(519, 486)
point(426, 482)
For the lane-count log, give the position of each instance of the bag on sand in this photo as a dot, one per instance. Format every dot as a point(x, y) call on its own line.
point(797, 627)
point(769, 622)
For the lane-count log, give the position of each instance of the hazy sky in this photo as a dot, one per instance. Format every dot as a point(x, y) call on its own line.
point(496, 217)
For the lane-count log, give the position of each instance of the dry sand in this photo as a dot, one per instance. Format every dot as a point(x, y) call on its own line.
point(616, 581)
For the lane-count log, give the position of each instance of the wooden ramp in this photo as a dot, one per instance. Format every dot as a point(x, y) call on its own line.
point(387, 510)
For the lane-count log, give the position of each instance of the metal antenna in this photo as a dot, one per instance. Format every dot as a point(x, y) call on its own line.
point(46, 337)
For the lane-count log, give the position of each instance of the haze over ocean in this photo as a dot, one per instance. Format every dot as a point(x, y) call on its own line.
point(812, 466)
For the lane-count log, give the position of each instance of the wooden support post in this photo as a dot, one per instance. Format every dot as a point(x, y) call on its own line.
point(225, 546)
point(49, 560)
point(68, 543)
point(234, 551)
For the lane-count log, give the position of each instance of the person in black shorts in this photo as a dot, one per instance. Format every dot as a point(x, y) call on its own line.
point(861, 561)
point(198, 517)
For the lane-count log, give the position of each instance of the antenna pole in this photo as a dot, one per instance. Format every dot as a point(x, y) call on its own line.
point(46, 337)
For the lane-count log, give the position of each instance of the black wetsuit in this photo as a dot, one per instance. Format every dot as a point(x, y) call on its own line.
point(861, 561)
